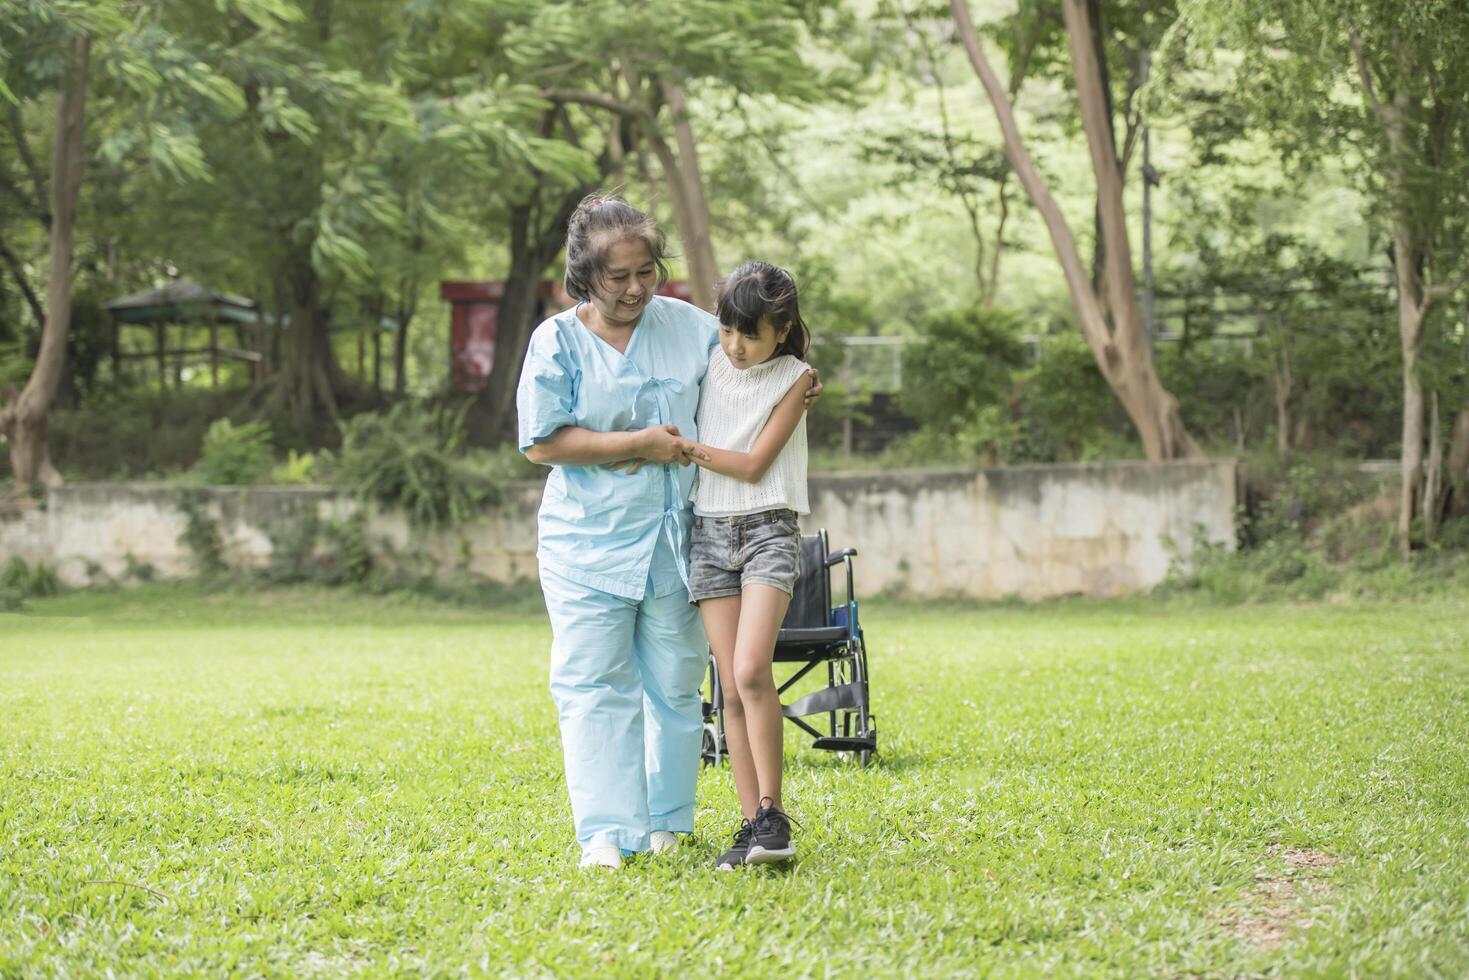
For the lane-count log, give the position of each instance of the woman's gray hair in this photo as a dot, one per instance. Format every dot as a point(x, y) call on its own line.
point(599, 222)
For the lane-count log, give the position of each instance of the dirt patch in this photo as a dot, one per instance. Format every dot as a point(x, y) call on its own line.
point(1274, 913)
point(1303, 857)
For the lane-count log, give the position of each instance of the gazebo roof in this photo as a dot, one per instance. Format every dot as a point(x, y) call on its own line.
point(182, 301)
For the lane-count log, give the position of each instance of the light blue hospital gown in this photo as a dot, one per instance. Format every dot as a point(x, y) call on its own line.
point(628, 651)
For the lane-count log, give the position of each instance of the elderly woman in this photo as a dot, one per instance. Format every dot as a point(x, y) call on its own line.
point(612, 379)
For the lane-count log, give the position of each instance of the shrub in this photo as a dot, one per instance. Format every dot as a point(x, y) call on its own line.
point(959, 383)
point(299, 469)
point(1067, 412)
point(1313, 537)
point(414, 458)
point(138, 571)
point(234, 454)
point(25, 581)
point(141, 433)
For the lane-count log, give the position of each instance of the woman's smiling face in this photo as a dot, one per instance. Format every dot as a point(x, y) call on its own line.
point(745, 352)
point(627, 284)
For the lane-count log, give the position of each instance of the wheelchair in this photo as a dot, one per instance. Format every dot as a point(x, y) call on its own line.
point(814, 634)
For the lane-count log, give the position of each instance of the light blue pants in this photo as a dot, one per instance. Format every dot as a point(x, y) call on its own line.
point(625, 676)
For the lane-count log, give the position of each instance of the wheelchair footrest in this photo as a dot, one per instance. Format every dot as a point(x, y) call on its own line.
point(842, 696)
point(842, 743)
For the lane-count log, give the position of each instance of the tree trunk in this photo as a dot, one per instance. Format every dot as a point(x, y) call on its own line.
point(1098, 42)
point(534, 244)
point(1413, 306)
point(1282, 406)
point(1121, 350)
point(1458, 463)
point(703, 267)
point(1410, 328)
point(377, 364)
point(400, 355)
point(17, 272)
point(1414, 297)
point(25, 422)
point(1284, 383)
point(1433, 474)
point(311, 379)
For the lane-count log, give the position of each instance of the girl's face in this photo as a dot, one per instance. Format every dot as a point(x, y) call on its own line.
point(627, 284)
point(745, 352)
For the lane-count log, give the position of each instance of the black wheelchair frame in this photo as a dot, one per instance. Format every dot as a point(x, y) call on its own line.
point(814, 633)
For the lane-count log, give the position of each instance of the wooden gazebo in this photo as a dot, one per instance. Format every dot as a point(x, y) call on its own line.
point(184, 303)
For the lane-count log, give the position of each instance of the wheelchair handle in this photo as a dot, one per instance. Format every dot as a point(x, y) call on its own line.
point(837, 556)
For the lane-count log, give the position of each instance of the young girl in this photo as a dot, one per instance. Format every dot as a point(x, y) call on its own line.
point(745, 549)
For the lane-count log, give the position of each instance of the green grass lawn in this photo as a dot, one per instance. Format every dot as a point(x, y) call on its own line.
point(304, 782)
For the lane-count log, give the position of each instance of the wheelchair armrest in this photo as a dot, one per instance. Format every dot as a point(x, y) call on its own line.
point(838, 556)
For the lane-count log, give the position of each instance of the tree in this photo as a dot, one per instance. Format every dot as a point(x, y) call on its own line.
point(154, 82)
point(643, 64)
point(1117, 335)
point(371, 141)
point(1408, 123)
point(24, 422)
point(621, 88)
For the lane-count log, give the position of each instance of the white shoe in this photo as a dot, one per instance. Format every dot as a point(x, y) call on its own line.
point(660, 841)
point(602, 857)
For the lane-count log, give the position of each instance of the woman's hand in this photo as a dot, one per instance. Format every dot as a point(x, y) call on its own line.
point(813, 392)
point(663, 444)
point(629, 466)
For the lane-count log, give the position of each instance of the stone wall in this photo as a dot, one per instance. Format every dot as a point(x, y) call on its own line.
point(1031, 531)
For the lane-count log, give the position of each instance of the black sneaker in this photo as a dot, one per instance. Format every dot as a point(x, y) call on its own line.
point(772, 837)
point(735, 856)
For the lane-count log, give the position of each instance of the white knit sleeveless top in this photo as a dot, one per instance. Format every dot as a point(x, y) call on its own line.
point(733, 407)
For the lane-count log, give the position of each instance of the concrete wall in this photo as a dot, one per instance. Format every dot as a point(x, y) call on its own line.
point(1032, 531)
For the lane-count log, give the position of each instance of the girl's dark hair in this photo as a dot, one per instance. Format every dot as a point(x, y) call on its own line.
point(759, 289)
point(598, 223)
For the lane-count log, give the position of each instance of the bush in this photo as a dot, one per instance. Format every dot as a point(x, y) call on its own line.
point(1310, 494)
point(23, 581)
point(960, 382)
point(414, 458)
point(141, 434)
point(1067, 411)
point(1312, 533)
point(299, 469)
point(1223, 390)
point(234, 454)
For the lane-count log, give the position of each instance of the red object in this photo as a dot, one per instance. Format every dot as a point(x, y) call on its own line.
point(473, 323)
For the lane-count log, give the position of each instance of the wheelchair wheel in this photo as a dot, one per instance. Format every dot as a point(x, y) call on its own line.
point(712, 752)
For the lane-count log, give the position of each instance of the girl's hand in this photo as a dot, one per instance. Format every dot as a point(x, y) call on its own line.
point(630, 465)
point(813, 392)
point(663, 444)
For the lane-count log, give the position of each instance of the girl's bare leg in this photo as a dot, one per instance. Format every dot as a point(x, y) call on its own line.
point(760, 616)
point(721, 624)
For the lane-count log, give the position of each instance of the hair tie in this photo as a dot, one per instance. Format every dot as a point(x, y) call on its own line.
point(597, 202)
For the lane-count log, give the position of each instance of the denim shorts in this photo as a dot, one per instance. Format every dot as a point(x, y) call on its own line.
point(728, 553)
